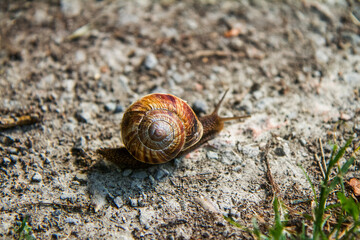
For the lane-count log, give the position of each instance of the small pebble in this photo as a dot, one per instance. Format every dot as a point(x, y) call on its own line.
point(212, 155)
point(14, 158)
point(280, 152)
point(177, 77)
point(118, 202)
point(302, 142)
point(84, 117)
point(47, 161)
point(139, 174)
point(36, 177)
point(127, 172)
point(71, 220)
point(150, 61)
point(200, 106)
point(56, 213)
point(12, 150)
point(6, 161)
point(110, 107)
point(161, 173)
point(80, 177)
point(80, 142)
point(119, 109)
point(7, 140)
point(133, 202)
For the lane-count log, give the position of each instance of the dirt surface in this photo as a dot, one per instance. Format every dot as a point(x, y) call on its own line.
point(70, 68)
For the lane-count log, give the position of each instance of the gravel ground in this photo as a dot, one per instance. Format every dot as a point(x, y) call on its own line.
point(68, 70)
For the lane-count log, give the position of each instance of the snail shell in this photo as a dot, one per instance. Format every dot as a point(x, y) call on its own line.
point(156, 128)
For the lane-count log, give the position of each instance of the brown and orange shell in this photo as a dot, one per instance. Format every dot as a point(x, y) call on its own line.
point(156, 128)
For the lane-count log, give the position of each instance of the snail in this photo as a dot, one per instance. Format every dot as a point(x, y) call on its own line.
point(160, 127)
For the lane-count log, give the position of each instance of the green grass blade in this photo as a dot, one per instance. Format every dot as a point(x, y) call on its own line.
point(338, 156)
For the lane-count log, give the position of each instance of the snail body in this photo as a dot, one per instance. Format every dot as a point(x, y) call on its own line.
point(160, 127)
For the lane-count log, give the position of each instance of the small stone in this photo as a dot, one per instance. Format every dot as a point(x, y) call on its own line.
point(200, 106)
point(238, 168)
point(133, 202)
point(110, 107)
point(118, 202)
point(6, 161)
point(161, 173)
point(212, 155)
point(150, 61)
point(236, 44)
point(36, 177)
point(248, 150)
point(56, 213)
point(80, 177)
point(12, 150)
point(119, 109)
point(47, 161)
point(152, 180)
point(127, 172)
point(352, 78)
point(280, 152)
point(80, 142)
point(84, 117)
point(177, 77)
point(6, 140)
point(44, 108)
point(302, 142)
point(66, 196)
point(68, 127)
point(71, 220)
point(14, 158)
point(139, 174)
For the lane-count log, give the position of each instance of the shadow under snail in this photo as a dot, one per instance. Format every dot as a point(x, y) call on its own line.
point(160, 127)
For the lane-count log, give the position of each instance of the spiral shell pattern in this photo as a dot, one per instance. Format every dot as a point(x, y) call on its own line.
point(156, 128)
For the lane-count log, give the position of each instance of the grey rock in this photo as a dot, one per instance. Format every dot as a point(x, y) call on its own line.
point(302, 142)
point(71, 220)
point(12, 150)
point(80, 142)
point(152, 180)
point(36, 177)
point(66, 196)
point(6, 140)
point(212, 155)
point(127, 172)
point(71, 8)
point(110, 107)
point(68, 127)
point(139, 174)
point(118, 109)
point(280, 152)
point(47, 161)
point(56, 213)
point(80, 177)
point(200, 106)
point(238, 168)
point(84, 117)
point(118, 202)
point(161, 173)
point(352, 78)
point(150, 61)
point(133, 202)
point(177, 77)
point(248, 150)
point(321, 56)
point(6, 161)
point(236, 44)
point(14, 158)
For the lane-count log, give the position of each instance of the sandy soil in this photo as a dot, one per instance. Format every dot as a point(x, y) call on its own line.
point(73, 68)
